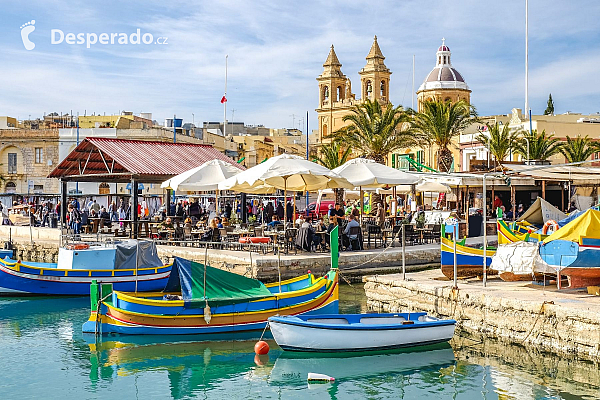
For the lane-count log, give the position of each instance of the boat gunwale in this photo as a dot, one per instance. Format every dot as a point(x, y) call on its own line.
point(325, 295)
point(304, 322)
point(448, 246)
point(142, 300)
point(14, 266)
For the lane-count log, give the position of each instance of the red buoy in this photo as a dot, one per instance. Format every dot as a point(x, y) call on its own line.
point(261, 347)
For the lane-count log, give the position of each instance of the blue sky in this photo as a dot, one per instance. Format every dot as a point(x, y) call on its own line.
point(276, 50)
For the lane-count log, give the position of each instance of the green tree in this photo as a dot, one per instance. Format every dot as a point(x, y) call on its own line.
point(579, 149)
point(439, 123)
point(375, 132)
point(332, 156)
point(500, 140)
point(550, 107)
point(541, 146)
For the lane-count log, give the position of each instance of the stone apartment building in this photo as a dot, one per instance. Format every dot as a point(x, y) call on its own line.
point(27, 157)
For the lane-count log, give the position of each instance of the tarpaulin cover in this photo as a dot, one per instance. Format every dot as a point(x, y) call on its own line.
point(222, 287)
point(520, 258)
point(147, 256)
point(540, 212)
point(586, 225)
point(570, 218)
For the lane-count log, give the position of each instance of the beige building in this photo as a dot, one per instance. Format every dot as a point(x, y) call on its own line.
point(473, 155)
point(444, 82)
point(337, 100)
point(27, 157)
point(335, 89)
point(8, 122)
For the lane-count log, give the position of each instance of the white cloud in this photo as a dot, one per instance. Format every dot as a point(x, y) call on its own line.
point(276, 51)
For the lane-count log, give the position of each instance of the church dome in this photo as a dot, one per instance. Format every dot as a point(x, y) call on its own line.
point(444, 75)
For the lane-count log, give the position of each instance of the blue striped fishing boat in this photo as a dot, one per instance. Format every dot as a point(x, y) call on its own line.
point(199, 299)
point(127, 266)
point(469, 260)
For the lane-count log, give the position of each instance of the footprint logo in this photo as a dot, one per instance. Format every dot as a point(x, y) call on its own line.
point(26, 29)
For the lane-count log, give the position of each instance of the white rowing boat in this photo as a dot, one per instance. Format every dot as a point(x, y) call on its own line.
point(359, 332)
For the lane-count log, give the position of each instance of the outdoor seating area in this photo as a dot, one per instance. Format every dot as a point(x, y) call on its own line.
point(216, 224)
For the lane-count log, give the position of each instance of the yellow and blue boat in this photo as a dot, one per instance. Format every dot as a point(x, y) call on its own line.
point(199, 299)
point(469, 260)
point(519, 232)
point(128, 265)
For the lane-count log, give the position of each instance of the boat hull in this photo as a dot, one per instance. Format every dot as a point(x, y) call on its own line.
point(579, 262)
point(113, 319)
point(329, 334)
point(21, 279)
point(469, 260)
point(512, 277)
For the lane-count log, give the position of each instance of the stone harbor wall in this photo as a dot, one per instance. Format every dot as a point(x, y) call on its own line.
point(559, 322)
point(265, 266)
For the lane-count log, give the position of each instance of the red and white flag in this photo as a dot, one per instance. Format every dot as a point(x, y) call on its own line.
point(223, 99)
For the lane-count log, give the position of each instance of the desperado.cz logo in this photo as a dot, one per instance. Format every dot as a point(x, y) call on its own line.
point(89, 39)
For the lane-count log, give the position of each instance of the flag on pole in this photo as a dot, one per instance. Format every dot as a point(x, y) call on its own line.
point(223, 99)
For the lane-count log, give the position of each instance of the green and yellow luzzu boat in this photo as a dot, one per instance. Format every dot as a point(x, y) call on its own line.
point(199, 299)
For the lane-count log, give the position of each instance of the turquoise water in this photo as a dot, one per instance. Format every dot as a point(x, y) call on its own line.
point(43, 354)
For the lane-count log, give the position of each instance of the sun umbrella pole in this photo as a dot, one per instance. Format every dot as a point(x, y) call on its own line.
point(294, 209)
point(285, 205)
point(217, 202)
point(362, 203)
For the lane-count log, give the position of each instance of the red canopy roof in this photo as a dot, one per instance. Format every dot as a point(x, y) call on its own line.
point(119, 160)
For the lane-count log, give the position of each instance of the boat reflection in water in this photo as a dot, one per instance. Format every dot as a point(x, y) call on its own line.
point(292, 368)
point(190, 366)
point(211, 367)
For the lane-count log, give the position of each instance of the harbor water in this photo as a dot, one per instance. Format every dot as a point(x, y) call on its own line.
point(43, 354)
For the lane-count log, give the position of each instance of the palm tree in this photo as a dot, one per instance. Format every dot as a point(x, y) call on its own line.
point(541, 146)
point(332, 156)
point(440, 122)
point(579, 149)
point(375, 132)
point(500, 140)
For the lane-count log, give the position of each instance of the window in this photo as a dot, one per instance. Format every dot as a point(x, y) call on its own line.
point(38, 188)
point(382, 88)
point(11, 187)
point(369, 88)
point(39, 155)
point(12, 163)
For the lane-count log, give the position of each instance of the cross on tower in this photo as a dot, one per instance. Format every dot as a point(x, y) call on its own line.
point(443, 41)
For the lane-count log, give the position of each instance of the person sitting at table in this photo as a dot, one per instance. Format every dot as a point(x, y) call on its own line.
point(347, 239)
point(105, 216)
point(299, 221)
point(320, 234)
point(380, 213)
point(225, 222)
point(167, 224)
point(219, 222)
point(212, 234)
point(306, 237)
point(333, 222)
point(275, 221)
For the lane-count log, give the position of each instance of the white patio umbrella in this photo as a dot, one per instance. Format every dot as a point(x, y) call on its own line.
point(286, 172)
point(363, 173)
point(203, 178)
point(433, 187)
